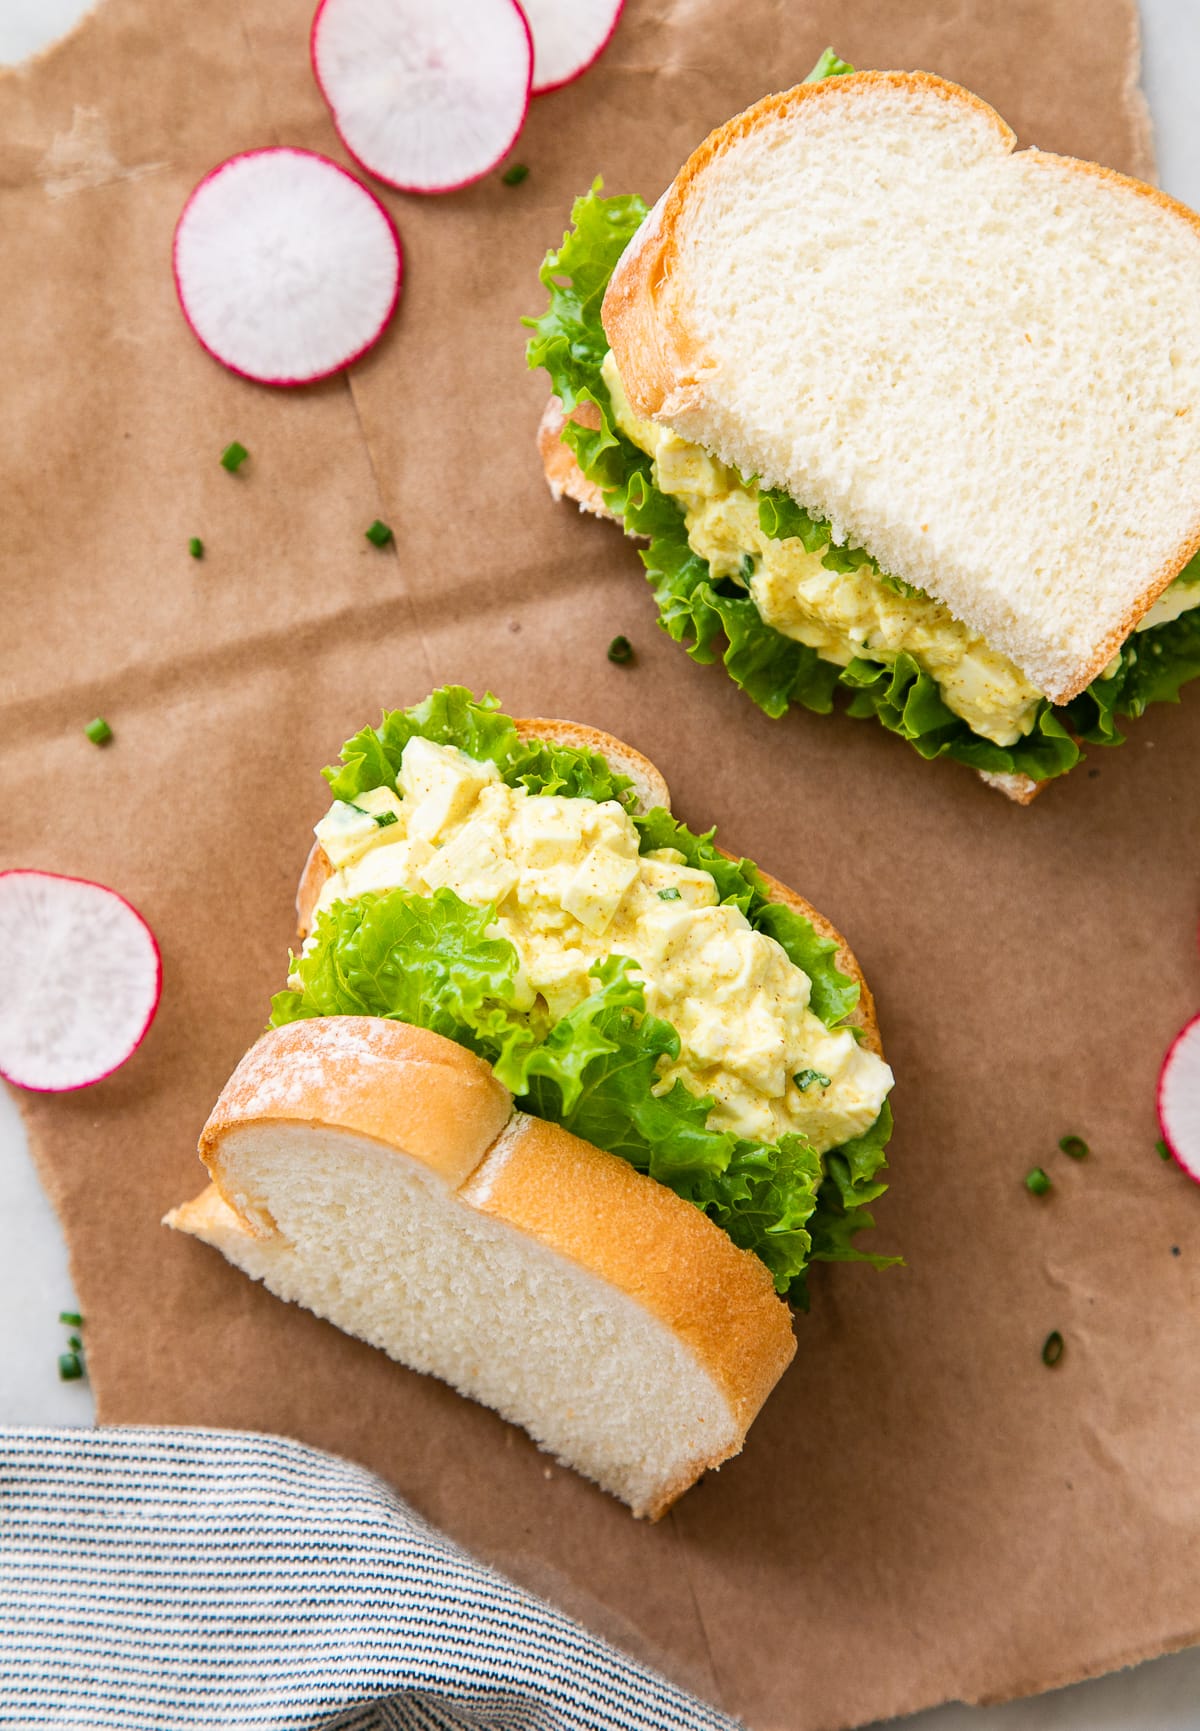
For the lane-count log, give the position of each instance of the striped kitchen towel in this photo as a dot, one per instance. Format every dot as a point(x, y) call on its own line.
point(159, 1578)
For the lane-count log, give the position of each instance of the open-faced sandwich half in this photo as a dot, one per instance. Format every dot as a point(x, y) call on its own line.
point(902, 413)
point(560, 1101)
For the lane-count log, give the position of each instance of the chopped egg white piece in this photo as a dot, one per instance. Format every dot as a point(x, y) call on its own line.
point(1179, 598)
point(441, 785)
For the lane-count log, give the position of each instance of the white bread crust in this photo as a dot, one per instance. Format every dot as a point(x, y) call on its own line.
point(1059, 608)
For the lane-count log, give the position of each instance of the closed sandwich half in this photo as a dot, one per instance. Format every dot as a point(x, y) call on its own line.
point(560, 1102)
point(903, 413)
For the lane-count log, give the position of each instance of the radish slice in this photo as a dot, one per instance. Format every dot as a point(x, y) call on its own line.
point(82, 980)
point(286, 267)
point(568, 35)
point(427, 94)
point(1179, 1098)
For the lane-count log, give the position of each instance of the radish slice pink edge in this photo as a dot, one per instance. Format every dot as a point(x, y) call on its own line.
point(568, 37)
point(82, 981)
point(428, 97)
point(287, 268)
point(1179, 1099)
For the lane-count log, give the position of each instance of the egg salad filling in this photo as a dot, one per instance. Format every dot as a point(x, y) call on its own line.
point(570, 888)
point(842, 614)
point(622, 976)
point(745, 575)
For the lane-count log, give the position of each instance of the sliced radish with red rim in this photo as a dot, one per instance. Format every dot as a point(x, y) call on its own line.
point(82, 980)
point(568, 35)
point(287, 268)
point(427, 94)
point(1179, 1098)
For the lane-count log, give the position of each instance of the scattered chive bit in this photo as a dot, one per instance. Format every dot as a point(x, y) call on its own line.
point(747, 567)
point(1037, 1182)
point(670, 895)
point(70, 1363)
point(620, 650)
point(1074, 1146)
point(1163, 1152)
point(233, 456)
point(378, 534)
point(1052, 1348)
point(98, 731)
point(515, 174)
point(384, 819)
point(805, 1079)
point(196, 547)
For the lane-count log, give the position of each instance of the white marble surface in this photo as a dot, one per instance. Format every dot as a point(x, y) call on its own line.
point(35, 1286)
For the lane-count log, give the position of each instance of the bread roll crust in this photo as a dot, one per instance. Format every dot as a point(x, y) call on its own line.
point(564, 477)
point(665, 369)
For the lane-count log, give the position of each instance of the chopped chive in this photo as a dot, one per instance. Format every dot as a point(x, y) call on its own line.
point(233, 456)
point(1164, 1153)
point(620, 650)
point(747, 567)
point(805, 1079)
point(75, 1343)
point(70, 1367)
point(378, 534)
point(384, 819)
point(1052, 1348)
point(671, 895)
point(1075, 1146)
point(1037, 1182)
point(515, 175)
point(98, 731)
point(196, 547)
point(71, 1318)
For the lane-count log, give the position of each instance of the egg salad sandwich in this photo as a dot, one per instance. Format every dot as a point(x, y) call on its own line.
point(560, 1101)
point(902, 414)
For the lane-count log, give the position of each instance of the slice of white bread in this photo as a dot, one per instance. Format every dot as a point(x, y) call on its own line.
point(377, 1174)
point(982, 365)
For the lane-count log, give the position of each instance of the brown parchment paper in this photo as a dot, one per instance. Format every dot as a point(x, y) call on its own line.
point(922, 1511)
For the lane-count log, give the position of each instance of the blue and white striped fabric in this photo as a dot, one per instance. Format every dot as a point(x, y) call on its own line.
point(159, 1578)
